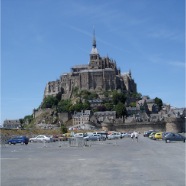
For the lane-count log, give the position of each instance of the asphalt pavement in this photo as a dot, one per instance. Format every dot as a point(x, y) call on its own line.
point(102, 163)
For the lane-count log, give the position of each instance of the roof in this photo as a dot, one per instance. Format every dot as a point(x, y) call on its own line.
point(80, 66)
point(97, 70)
point(94, 51)
point(7, 122)
point(105, 112)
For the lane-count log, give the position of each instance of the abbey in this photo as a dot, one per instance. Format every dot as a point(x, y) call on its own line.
point(101, 74)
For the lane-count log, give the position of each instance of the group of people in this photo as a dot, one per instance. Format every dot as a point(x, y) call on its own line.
point(134, 135)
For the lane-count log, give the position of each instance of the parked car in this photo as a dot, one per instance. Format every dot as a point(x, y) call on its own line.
point(126, 135)
point(18, 139)
point(103, 134)
point(164, 134)
point(114, 135)
point(79, 135)
point(158, 135)
point(123, 134)
point(40, 138)
point(94, 137)
point(54, 138)
point(147, 133)
point(174, 137)
point(152, 134)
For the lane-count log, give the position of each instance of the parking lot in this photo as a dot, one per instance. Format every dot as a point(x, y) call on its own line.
point(101, 163)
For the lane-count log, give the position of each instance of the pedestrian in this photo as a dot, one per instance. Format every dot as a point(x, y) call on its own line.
point(132, 136)
point(136, 135)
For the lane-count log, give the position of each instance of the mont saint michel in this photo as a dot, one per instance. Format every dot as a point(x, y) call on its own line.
point(98, 96)
point(101, 74)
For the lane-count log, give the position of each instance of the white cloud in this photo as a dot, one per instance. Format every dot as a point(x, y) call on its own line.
point(165, 34)
point(157, 59)
point(177, 64)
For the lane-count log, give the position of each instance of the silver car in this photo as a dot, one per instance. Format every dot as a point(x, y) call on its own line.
point(40, 138)
point(93, 137)
point(115, 135)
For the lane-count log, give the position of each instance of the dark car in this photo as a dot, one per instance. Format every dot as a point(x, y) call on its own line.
point(18, 139)
point(147, 133)
point(174, 137)
point(164, 134)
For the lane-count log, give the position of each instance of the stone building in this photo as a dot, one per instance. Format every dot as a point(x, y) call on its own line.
point(110, 115)
point(12, 124)
point(101, 74)
point(82, 117)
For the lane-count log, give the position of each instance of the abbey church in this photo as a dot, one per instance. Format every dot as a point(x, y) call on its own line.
point(101, 74)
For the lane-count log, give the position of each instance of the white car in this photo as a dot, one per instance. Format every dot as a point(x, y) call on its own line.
point(79, 135)
point(40, 138)
point(115, 135)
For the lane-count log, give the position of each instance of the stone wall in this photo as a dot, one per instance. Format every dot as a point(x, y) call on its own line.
point(140, 127)
point(64, 117)
point(175, 124)
point(39, 112)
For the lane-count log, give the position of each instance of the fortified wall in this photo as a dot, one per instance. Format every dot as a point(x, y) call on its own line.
point(176, 125)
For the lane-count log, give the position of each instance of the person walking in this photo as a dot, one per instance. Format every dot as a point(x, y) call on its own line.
point(136, 135)
point(132, 136)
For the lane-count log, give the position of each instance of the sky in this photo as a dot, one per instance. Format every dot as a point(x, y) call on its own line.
point(42, 39)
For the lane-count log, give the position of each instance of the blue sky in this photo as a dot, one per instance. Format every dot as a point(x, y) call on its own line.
point(42, 39)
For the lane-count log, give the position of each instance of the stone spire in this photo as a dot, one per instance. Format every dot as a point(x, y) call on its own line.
point(94, 49)
point(94, 40)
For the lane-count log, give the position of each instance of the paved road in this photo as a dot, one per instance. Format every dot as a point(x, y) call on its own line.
point(109, 163)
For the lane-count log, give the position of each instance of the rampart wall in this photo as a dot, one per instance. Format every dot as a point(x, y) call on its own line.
point(176, 125)
point(140, 127)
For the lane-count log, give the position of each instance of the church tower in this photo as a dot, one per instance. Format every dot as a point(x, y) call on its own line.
point(94, 55)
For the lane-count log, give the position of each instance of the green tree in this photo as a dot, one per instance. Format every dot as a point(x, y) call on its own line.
point(136, 95)
point(64, 105)
point(63, 129)
point(93, 95)
point(120, 109)
point(49, 102)
point(86, 105)
point(28, 119)
point(88, 95)
point(22, 123)
point(118, 97)
point(77, 107)
point(159, 102)
point(109, 106)
point(106, 94)
point(133, 104)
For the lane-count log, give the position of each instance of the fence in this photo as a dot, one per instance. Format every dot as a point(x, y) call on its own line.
point(77, 142)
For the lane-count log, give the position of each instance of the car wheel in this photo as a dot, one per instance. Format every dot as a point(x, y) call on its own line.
point(184, 141)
